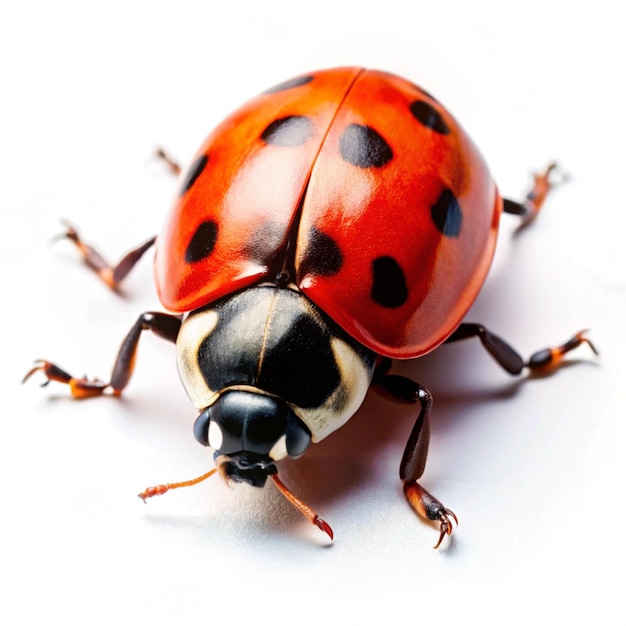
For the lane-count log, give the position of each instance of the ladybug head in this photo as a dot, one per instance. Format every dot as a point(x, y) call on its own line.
point(249, 431)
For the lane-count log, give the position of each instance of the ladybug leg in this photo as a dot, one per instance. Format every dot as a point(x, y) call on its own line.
point(406, 391)
point(543, 183)
point(111, 275)
point(549, 358)
point(172, 165)
point(301, 506)
point(509, 359)
point(80, 387)
point(505, 355)
point(161, 324)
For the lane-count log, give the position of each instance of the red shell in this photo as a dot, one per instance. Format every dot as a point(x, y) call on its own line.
point(390, 205)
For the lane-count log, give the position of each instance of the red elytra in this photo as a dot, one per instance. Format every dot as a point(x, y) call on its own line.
point(362, 182)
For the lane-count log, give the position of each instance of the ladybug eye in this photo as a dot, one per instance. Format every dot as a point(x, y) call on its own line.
point(297, 437)
point(201, 427)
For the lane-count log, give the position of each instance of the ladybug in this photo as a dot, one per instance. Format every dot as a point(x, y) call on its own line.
point(338, 221)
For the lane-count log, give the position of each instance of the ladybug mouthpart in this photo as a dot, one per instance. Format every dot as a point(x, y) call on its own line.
point(245, 467)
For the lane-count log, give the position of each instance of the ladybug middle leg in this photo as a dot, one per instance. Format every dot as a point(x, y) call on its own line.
point(509, 359)
point(406, 391)
point(161, 324)
point(110, 275)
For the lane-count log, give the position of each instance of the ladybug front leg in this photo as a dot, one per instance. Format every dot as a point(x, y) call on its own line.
point(406, 391)
point(531, 205)
point(111, 275)
point(161, 324)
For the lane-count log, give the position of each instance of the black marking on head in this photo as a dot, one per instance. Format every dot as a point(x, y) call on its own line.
point(364, 147)
point(298, 81)
point(389, 284)
point(322, 255)
point(194, 171)
point(300, 366)
point(447, 214)
point(202, 242)
point(427, 115)
point(289, 355)
point(288, 132)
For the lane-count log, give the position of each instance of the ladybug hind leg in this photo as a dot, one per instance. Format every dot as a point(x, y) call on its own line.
point(162, 324)
point(406, 391)
point(172, 165)
point(110, 275)
point(531, 205)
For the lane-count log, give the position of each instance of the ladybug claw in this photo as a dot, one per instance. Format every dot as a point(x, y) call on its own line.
point(324, 526)
point(39, 366)
point(70, 232)
point(555, 175)
point(49, 370)
point(79, 387)
point(445, 525)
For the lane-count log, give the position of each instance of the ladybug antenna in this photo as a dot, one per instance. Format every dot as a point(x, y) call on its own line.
point(159, 490)
point(306, 510)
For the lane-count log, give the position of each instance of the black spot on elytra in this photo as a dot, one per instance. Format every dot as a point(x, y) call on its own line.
point(322, 255)
point(364, 147)
point(389, 284)
point(447, 215)
point(202, 242)
point(264, 243)
point(298, 81)
point(194, 171)
point(290, 131)
point(427, 115)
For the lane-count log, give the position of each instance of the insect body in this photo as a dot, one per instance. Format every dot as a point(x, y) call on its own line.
point(335, 222)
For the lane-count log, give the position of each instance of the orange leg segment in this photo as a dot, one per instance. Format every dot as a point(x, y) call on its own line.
point(406, 391)
point(548, 358)
point(110, 275)
point(306, 510)
point(429, 509)
point(509, 359)
point(161, 324)
point(80, 387)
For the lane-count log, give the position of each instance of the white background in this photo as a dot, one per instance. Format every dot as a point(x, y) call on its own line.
point(534, 468)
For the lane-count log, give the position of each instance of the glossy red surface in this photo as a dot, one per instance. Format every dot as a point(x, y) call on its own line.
point(254, 191)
